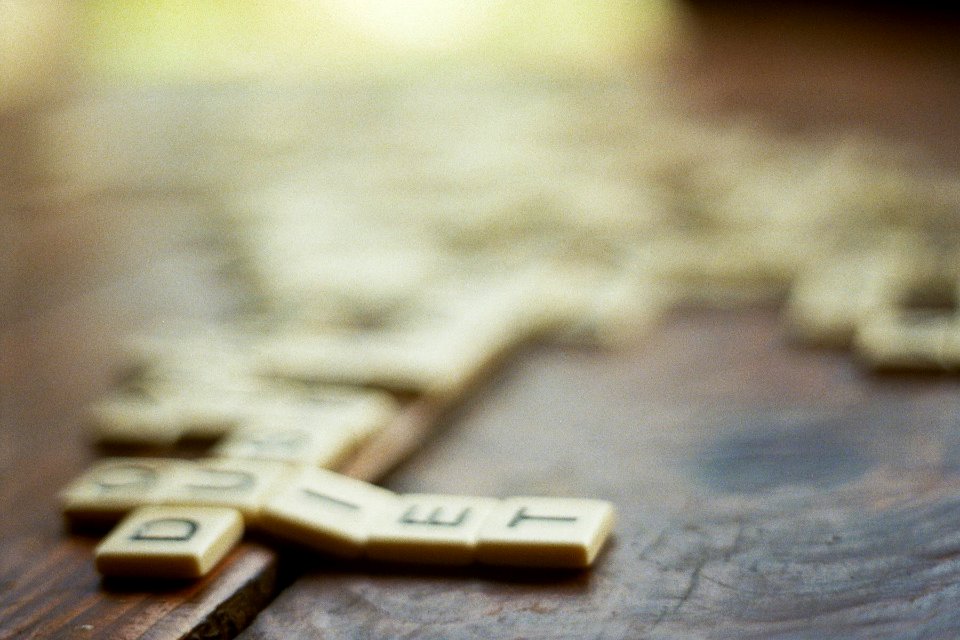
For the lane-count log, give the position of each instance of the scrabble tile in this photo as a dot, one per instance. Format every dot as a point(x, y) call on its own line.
point(135, 420)
point(439, 341)
point(545, 532)
point(209, 411)
point(114, 486)
point(429, 529)
point(599, 307)
point(363, 412)
point(324, 510)
point(289, 443)
point(169, 542)
point(224, 482)
point(396, 360)
point(828, 300)
point(902, 341)
point(160, 414)
point(212, 356)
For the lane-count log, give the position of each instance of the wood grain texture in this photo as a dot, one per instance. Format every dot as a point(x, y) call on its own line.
point(51, 590)
point(762, 491)
point(58, 350)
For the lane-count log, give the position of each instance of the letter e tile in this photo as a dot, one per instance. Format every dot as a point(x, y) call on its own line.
point(429, 529)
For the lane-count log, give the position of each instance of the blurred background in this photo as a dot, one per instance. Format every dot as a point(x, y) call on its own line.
point(98, 97)
point(189, 157)
point(316, 165)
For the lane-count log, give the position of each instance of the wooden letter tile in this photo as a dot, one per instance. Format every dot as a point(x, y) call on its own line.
point(114, 486)
point(325, 510)
point(305, 445)
point(135, 420)
point(223, 482)
point(545, 532)
point(169, 542)
point(431, 529)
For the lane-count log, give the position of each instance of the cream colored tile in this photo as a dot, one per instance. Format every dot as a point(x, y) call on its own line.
point(209, 411)
point(829, 299)
point(214, 357)
point(429, 529)
point(325, 510)
point(114, 486)
point(224, 482)
point(545, 532)
point(362, 412)
point(600, 306)
point(897, 341)
point(161, 412)
point(324, 447)
point(135, 420)
point(435, 346)
point(169, 542)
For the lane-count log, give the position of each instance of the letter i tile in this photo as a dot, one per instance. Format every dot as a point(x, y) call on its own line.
point(325, 510)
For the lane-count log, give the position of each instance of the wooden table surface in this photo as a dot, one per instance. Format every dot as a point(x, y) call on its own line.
point(763, 489)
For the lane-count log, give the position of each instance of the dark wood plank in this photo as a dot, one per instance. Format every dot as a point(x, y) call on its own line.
point(762, 491)
point(77, 292)
point(886, 68)
point(90, 272)
point(55, 593)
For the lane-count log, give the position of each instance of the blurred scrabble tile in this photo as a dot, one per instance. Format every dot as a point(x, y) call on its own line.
point(295, 276)
point(207, 414)
point(362, 411)
point(723, 267)
point(827, 302)
point(899, 340)
point(224, 482)
point(136, 420)
point(216, 354)
point(324, 510)
point(545, 532)
point(429, 529)
point(314, 445)
point(435, 347)
point(828, 299)
point(159, 414)
point(114, 486)
point(169, 542)
point(599, 307)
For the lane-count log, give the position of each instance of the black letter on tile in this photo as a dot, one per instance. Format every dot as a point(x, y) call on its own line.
point(169, 529)
point(139, 475)
point(231, 480)
point(336, 501)
point(522, 515)
point(434, 518)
